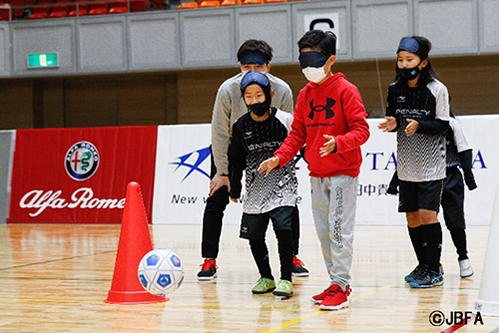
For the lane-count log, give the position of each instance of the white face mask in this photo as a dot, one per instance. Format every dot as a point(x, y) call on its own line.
point(246, 72)
point(314, 74)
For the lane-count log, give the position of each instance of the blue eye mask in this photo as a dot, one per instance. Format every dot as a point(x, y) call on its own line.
point(312, 59)
point(253, 57)
point(408, 44)
point(255, 77)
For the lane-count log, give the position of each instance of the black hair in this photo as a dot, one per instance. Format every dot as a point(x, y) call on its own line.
point(427, 73)
point(325, 41)
point(255, 45)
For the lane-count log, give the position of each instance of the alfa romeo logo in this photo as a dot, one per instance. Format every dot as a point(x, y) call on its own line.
point(82, 160)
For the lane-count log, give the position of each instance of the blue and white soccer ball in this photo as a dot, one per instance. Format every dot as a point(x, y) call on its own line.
point(161, 272)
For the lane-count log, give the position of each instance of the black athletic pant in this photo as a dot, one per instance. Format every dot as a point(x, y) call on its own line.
point(254, 228)
point(453, 208)
point(260, 254)
point(213, 216)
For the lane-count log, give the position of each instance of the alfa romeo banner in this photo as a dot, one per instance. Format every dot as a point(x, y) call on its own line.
point(80, 175)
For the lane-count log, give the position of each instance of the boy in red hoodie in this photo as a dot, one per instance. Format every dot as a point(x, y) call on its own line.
point(329, 119)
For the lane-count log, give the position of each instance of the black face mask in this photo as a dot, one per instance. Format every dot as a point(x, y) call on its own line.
point(258, 109)
point(410, 73)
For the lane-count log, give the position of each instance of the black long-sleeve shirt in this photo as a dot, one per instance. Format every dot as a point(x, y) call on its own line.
point(421, 156)
point(253, 142)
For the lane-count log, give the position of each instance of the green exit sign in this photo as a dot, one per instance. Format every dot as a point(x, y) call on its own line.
point(43, 60)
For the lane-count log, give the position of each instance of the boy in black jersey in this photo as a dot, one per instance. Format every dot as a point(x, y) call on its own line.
point(255, 137)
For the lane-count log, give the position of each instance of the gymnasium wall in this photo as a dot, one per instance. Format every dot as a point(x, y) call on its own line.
point(208, 38)
point(144, 68)
point(187, 97)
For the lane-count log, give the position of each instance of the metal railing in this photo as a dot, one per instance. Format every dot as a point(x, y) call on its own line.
point(10, 13)
point(194, 4)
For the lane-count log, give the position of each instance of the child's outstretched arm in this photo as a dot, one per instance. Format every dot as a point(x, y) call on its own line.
point(466, 160)
point(329, 146)
point(268, 165)
point(389, 125)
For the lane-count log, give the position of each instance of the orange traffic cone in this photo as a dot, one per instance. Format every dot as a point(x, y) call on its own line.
point(135, 242)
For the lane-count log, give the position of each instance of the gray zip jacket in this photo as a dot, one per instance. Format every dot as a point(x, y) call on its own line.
point(229, 106)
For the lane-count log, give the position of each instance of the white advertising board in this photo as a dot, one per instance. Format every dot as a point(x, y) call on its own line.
point(183, 168)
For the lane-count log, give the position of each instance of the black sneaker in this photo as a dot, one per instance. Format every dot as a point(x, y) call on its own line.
point(416, 272)
point(428, 279)
point(208, 270)
point(299, 268)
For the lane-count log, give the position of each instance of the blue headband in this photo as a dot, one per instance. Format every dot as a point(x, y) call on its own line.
point(408, 44)
point(255, 77)
point(312, 59)
point(253, 57)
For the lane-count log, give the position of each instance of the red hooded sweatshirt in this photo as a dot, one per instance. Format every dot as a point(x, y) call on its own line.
point(334, 108)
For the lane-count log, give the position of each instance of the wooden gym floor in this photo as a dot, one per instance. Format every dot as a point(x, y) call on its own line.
point(54, 278)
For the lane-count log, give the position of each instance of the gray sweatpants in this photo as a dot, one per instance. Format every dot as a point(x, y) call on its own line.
point(334, 202)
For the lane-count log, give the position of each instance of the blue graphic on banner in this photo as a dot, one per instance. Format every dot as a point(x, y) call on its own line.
point(202, 156)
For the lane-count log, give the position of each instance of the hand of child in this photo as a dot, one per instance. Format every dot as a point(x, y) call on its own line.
point(469, 179)
point(269, 164)
point(388, 125)
point(217, 182)
point(236, 200)
point(329, 146)
point(412, 127)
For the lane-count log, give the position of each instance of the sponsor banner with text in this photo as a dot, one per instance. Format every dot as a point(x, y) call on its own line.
point(80, 175)
point(182, 175)
point(183, 168)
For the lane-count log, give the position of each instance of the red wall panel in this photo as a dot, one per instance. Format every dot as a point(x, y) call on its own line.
point(80, 175)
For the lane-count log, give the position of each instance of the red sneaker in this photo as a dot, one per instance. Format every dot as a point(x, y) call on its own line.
point(336, 298)
point(208, 270)
point(320, 297)
point(299, 268)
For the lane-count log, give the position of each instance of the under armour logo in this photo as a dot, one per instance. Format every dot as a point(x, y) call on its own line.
point(319, 108)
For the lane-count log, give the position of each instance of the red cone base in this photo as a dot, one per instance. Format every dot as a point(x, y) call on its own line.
point(133, 297)
point(135, 242)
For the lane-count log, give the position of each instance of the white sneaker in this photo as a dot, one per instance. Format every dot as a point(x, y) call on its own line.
point(465, 268)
